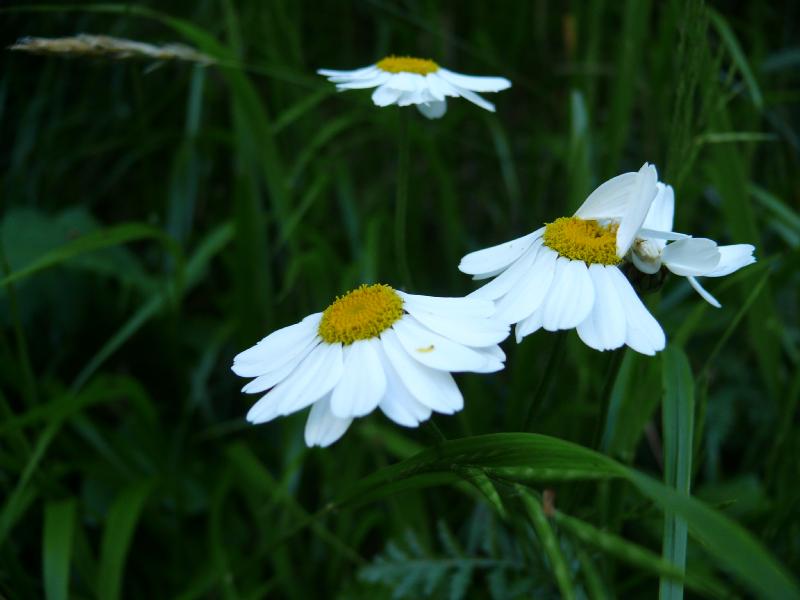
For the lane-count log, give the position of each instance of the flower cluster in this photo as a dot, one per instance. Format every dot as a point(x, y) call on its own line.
point(377, 347)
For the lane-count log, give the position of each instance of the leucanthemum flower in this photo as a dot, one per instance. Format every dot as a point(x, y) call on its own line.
point(566, 274)
point(685, 256)
point(404, 80)
point(374, 347)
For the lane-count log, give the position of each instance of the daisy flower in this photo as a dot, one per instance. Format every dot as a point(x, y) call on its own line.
point(685, 256)
point(374, 347)
point(566, 274)
point(404, 80)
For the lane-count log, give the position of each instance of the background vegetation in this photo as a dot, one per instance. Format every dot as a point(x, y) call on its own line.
point(159, 217)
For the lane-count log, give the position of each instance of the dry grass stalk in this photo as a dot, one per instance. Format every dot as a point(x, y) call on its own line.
point(106, 46)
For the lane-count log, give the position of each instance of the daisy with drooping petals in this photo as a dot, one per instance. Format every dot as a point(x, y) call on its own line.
point(566, 274)
point(374, 347)
point(685, 256)
point(404, 80)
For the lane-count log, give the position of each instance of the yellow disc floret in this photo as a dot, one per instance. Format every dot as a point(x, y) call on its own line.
point(578, 239)
point(361, 314)
point(407, 64)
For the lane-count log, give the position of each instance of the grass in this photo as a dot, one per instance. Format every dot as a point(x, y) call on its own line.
point(157, 218)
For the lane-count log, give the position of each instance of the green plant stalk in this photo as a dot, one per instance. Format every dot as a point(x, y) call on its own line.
point(401, 199)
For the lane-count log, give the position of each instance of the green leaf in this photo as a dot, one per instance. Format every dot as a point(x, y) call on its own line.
point(119, 529)
point(631, 553)
point(738, 56)
point(524, 456)
point(59, 528)
point(91, 242)
point(549, 543)
point(678, 438)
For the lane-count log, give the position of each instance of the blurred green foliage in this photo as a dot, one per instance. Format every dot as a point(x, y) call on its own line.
point(157, 218)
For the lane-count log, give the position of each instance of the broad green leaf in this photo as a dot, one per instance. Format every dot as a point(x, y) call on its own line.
point(522, 456)
point(91, 242)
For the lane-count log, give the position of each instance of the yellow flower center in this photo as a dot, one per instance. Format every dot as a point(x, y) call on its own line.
point(361, 314)
point(407, 64)
point(578, 239)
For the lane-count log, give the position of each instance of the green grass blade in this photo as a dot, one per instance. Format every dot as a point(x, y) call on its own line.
point(631, 40)
point(738, 56)
point(18, 501)
point(678, 436)
point(632, 553)
point(58, 531)
point(521, 457)
point(91, 242)
point(549, 543)
point(120, 526)
point(213, 243)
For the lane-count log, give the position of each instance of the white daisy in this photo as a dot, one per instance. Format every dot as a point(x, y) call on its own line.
point(686, 256)
point(373, 347)
point(566, 275)
point(404, 80)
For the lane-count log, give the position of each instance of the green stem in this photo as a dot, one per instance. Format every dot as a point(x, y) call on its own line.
point(605, 396)
point(436, 433)
point(542, 390)
point(401, 199)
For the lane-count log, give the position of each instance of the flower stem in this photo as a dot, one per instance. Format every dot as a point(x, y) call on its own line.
point(543, 388)
point(605, 396)
point(401, 199)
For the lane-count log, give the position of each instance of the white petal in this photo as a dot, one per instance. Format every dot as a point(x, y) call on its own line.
point(323, 427)
point(732, 258)
point(497, 257)
point(398, 403)
point(488, 275)
point(529, 325)
point(438, 352)
point(659, 235)
point(643, 333)
point(608, 201)
point(435, 389)
point(407, 82)
point(363, 381)
point(476, 84)
point(494, 351)
point(453, 307)
point(692, 256)
point(475, 98)
point(662, 211)
point(570, 297)
point(361, 84)
point(530, 291)
point(273, 378)
point(464, 330)
point(605, 327)
point(433, 110)
point(354, 74)
point(518, 270)
point(384, 95)
point(415, 97)
point(314, 377)
point(642, 194)
point(435, 87)
point(703, 293)
point(277, 349)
